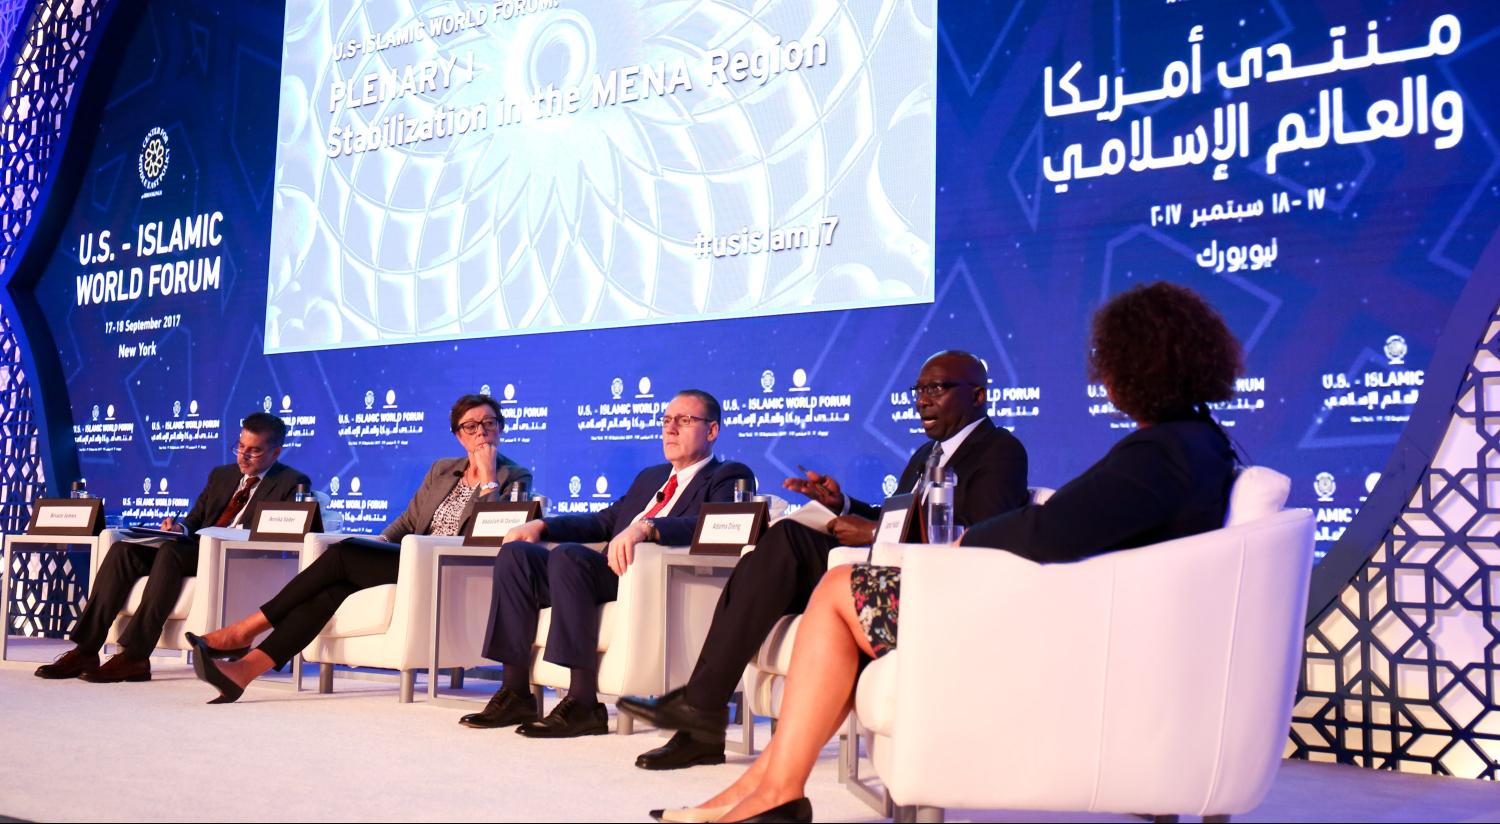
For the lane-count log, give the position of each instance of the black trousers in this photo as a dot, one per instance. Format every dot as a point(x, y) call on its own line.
point(304, 606)
point(776, 579)
point(571, 579)
point(165, 567)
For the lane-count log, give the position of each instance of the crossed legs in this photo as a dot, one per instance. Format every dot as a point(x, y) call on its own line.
point(819, 692)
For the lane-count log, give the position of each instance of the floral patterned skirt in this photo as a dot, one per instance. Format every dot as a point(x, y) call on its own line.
point(877, 599)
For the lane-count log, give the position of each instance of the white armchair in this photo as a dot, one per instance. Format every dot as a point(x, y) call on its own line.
point(197, 607)
point(390, 626)
point(630, 635)
point(1158, 680)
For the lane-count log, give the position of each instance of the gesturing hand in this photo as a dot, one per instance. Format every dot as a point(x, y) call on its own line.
point(821, 488)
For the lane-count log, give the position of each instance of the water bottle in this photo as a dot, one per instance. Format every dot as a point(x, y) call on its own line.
point(742, 490)
point(80, 489)
point(301, 494)
point(941, 526)
point(517, 492)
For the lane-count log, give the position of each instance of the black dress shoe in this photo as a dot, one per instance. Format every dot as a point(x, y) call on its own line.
point(569, 719)
point(672, 712)
point(209, 672)
point(796, 811)
point(506, 708)
point(119, 668)
point(202, 647)
point(70, 664)
point(685, 749)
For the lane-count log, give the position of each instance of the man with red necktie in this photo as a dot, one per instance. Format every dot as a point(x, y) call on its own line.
point(229, 499)
point(661, 506)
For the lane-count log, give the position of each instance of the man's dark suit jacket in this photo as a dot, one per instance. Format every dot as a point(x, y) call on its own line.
point(277, 485)
point(714, 483)
point(991, 469)
point(1160, 482)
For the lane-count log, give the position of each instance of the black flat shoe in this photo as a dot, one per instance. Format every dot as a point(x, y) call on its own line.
point(793, 812)
point(209, 673)
point(202, 648)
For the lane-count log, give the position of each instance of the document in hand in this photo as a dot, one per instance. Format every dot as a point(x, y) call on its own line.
point(151, 532)
point(812, 515)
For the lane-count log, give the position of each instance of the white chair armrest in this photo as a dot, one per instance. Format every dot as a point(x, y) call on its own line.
point(314, 544)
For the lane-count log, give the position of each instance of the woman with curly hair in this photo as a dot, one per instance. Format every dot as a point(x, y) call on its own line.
point(1163, 354)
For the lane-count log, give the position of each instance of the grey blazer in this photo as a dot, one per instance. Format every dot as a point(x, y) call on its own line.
point(441, 478)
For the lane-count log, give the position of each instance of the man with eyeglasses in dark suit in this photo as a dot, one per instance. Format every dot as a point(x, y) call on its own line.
point(779, 576)
point(661, 506)
point(229, 499)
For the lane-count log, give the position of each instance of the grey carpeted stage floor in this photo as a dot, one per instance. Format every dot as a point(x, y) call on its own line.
point(156, 751)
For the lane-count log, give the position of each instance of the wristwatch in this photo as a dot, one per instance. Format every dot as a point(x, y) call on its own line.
point(487, 486)
point(651, 533)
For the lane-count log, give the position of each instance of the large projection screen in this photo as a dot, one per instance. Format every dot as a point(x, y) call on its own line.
point(456, 170)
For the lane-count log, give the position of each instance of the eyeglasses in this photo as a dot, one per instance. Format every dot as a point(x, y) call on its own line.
point(932, 390)
point(682, 421)
point(475, 427)
point(254, 453)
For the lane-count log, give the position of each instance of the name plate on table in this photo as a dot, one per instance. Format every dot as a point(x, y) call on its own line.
point(898, 521)
point(725, 529)
point(493, 519)
point(66, 516)
point(283, 521)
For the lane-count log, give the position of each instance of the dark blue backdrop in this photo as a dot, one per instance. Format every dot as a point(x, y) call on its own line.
point(1019, 268)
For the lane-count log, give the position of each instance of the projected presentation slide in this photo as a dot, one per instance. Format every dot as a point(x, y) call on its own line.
point(456, 170)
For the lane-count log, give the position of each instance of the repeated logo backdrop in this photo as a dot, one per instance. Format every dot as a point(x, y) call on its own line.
point(1323, 172)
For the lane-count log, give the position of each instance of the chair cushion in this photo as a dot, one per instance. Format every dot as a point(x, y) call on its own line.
point(776, 652)
point(875, 697)
point(367, 612)
point(1257, 493)
point(179, 609)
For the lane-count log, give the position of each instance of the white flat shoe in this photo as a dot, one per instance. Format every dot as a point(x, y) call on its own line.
point(691, 815)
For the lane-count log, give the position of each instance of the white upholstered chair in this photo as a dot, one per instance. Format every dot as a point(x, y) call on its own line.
point(630, 634)
point(1158, 680)
point(197, 607)
point(390, 626)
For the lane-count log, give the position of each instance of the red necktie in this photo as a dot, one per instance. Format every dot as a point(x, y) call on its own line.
point(237, 502)
point(663, 497)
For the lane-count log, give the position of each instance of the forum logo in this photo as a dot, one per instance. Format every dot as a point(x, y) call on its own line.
point(767, 381)
point(888, 485)
point(575, 486)
point(153, 160)
point(1324, 486)
point(1395, 350)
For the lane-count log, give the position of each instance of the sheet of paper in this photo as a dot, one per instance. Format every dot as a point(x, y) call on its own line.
point(812, 515)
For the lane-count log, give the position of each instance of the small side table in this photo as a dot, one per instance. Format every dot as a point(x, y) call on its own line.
point(683, 633)
point(450, 556)
point(229, 550)
point(34, 544)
